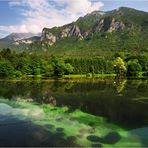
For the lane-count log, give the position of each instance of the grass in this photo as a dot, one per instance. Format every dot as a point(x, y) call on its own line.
point(79, 76)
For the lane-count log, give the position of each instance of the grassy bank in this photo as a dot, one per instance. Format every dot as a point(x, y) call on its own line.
point(79, 76)
point(70, 76)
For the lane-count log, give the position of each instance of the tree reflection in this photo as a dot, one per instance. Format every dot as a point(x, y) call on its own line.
point(120, 85)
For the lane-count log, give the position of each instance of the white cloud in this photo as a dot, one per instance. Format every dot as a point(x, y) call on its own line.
point(80, 6)
point(37, 14)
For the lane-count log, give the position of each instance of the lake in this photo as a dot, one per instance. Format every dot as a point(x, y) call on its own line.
point(94, 112)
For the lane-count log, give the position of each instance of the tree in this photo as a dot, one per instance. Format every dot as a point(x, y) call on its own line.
point(143, 61)
point(133, 68)
point(91, 69)
point(48, 70)
point(58, 66)
point(25, 66)
point(119, 66)
point(68, 68)
point(6, 69)
point(36, 71)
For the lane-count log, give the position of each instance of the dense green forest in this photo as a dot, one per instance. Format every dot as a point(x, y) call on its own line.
point(24, 65)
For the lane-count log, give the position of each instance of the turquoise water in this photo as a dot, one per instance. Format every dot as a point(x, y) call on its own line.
point(94, 113)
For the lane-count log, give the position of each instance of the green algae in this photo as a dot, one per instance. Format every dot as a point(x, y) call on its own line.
point(81, 128)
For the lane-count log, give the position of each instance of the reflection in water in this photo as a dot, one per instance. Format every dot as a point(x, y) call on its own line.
point(120, 101)
point(52, 101)
point(120, 85)
point(32, 135)
point(71, 129)
point(110, 114)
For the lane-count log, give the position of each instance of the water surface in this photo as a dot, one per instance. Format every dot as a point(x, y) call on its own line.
point(106, 112)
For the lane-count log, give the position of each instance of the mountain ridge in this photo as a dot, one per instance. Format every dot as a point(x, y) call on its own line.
point(115, 20)
point(18, 40)
point(19, 36)
point(122, 29)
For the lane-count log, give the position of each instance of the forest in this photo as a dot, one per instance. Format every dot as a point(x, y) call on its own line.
point(24, 65)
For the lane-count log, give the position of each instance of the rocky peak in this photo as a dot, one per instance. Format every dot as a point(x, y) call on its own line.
point(48, 37)
point(71, 30)
point(95, 13)
point(19, 36)
point(109, 25)
point(66, 31)
point(116, 26)
point(99, 26)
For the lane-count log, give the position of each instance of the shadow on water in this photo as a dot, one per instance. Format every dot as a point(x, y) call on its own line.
point(19, 133)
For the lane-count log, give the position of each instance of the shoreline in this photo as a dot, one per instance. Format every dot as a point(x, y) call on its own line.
point(72, 77)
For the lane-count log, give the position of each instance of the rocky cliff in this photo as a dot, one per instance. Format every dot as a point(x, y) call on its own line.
point(70, 30)
point(116, 20)
point(102, 22)
point(109, 25)
point(48, 37)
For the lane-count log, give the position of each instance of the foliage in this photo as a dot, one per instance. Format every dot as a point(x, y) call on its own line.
point(133, 68)
point(92, 65)
point(119, 66)
point(23, 64)
point(6, 68)
point(68, 68)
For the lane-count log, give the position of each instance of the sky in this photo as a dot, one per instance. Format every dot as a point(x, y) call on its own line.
point(23, 16)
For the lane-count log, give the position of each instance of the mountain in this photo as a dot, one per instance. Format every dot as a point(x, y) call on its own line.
point(18, 36)
point(78, 29)
point(97, 33)
point(19, 40)
point(27, 40)
point(120, 30)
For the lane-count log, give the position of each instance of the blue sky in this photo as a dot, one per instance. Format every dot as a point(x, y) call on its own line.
point(33, 15)
point(137, 4)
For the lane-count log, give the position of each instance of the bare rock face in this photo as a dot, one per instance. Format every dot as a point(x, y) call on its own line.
point(109, 25)
point(68, 31)
point(48, 37)
point(99, 26)
point(87, 34)
point(71, 30)
point(116, 26)
point(51, 38)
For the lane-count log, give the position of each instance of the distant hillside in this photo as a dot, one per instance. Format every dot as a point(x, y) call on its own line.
point(18, 40)
point(98, 33)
